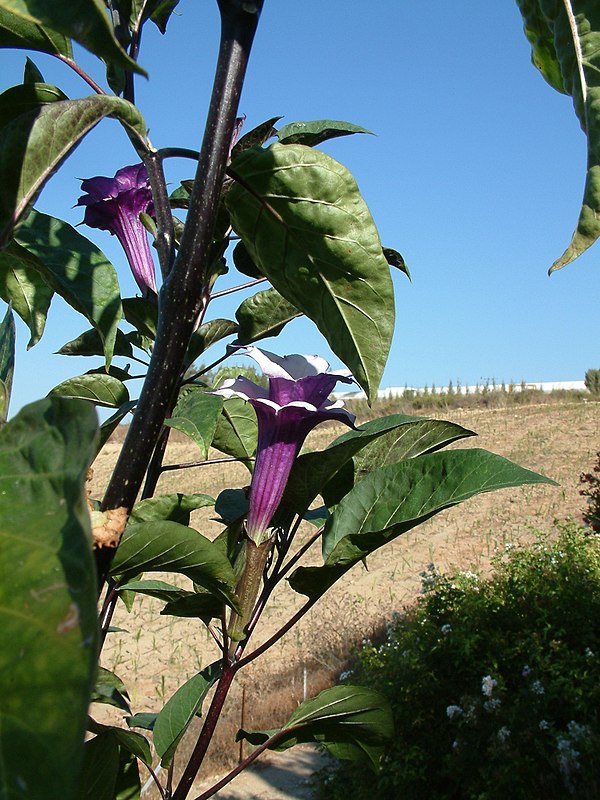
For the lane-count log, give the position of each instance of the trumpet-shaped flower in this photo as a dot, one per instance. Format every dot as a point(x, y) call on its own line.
point(295, 402)
point(115, 205)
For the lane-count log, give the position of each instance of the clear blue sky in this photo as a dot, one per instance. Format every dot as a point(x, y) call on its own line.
point(476, 176)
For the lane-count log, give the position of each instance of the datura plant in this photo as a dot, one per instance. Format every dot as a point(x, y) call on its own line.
point(267, 203)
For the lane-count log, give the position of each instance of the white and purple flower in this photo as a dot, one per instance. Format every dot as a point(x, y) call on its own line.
point(295, 402)
point(115, 205)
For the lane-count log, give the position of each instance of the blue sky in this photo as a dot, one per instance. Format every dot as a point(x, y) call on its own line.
point(475, 175)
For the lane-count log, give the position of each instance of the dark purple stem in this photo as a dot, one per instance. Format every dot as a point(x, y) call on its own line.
point(183, 291)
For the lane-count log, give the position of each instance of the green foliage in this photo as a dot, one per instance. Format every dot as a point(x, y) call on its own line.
point(493, 683)
point(592, 381)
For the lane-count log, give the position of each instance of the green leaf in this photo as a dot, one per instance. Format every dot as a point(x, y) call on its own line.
point(142, 314)
point(77, 270)
point(34, 144)
point(134, 743)
point(25, 98)
point(196, 414)
point(31, 73)
point(232, 504)
point(395, 498)
point(128, 785)
point(110, 690)
point(7, 362)
point(142, 720)
point(196, 605)
point(19, 33)
point(244, 263)
point(165, 546)
point(23, 286)
point(89, 343)
point(160, 590)
point(350, 721)
point(176, 507)
point(174, 719)
point(102, 390)
point(160, 13)
point(48, 618)
point(316, 131)
point(264, 314)
point(565, 39)
point(110, 425)
point(395, 259)
point(208, 334)
point(85, 21)
point(312, 472)
point(257, 136)
point(308, 229)
point(408, 441)
point(100, 768)
point(237, 431)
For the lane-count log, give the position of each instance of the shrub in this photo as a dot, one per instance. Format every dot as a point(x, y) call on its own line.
point(592, 381)
point(591, 481)
point(494, 683)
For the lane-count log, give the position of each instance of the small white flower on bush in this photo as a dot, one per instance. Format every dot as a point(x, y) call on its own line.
point(503, 734)
point(589, 653)
point(537, 687)
point(526, 671)
point(453, 711)
point(488, 684)
point(346, 674)
point(544, 725)
point(493, 704)
point(446, 629)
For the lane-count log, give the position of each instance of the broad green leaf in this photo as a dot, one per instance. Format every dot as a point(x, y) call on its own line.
point(7, 362)
point(174, 719)
point(351, 722)
point(165, 546)
point(232, 504)
point(77, 270)
point(19, 33)
point(89, 343)
point(160, 12)
point(134, 743)
point(143, 720)
point(110, 690)
point(237, 431)
point(102, 390)
point(244, 263)
point(34, 144)
point(312, 472)
point(23, 285)
point(85, 21)
point(27, 97)
point(100, 768)
point(128, 785)
point(48, 618)
point(395, 259)
point(160, 590)
point(316, 131)
point(176, 507)
point(565, 38)
point(395, 498)
point(142, 314)
point(208, 334)
point(264, 314)
point(308, 229)
point(110, 425)
point(257, 136)
point(195, 605)
point(408, 441)
point(196, 414)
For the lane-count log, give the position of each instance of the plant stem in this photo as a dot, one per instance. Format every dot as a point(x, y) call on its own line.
point(183, 292)
point(205, 463)
point(82, 73)
point(238, 288)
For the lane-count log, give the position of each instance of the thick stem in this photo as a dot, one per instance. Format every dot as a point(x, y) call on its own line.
point(182, 293)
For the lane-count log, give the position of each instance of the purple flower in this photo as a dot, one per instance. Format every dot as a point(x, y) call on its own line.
point(115, 205)
point(295, 402)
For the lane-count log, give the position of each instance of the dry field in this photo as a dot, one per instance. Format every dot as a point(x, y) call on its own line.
point(157, 654)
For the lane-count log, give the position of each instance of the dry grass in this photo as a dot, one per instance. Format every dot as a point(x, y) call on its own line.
point(160, 653)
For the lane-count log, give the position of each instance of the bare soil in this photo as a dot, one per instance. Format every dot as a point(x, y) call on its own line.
point(157, 654)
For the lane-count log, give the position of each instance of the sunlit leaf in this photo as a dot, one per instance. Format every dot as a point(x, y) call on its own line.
point(34, 144)
point(237, 431)
point(48, 618)
point(77, 270)
point(308, 229)
point(89, 343)
point(565, 40)
point(7, 362)
point(398, 497)
point(110, 690)
point(208, 334)
point(27, 97)
point(23, 285)
point(102, 390)
point(196, 414)
point(264, 314)
point(315, 131)
point(85, 21)
point(351, 722)
point(257, 136)
point(16, 32)
point(174, 719)
point(176, 507)
point(142, 314)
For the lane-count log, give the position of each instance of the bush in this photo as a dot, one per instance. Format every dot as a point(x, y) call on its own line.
point(592, 381)
point(591, 481)
point(494, 683)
